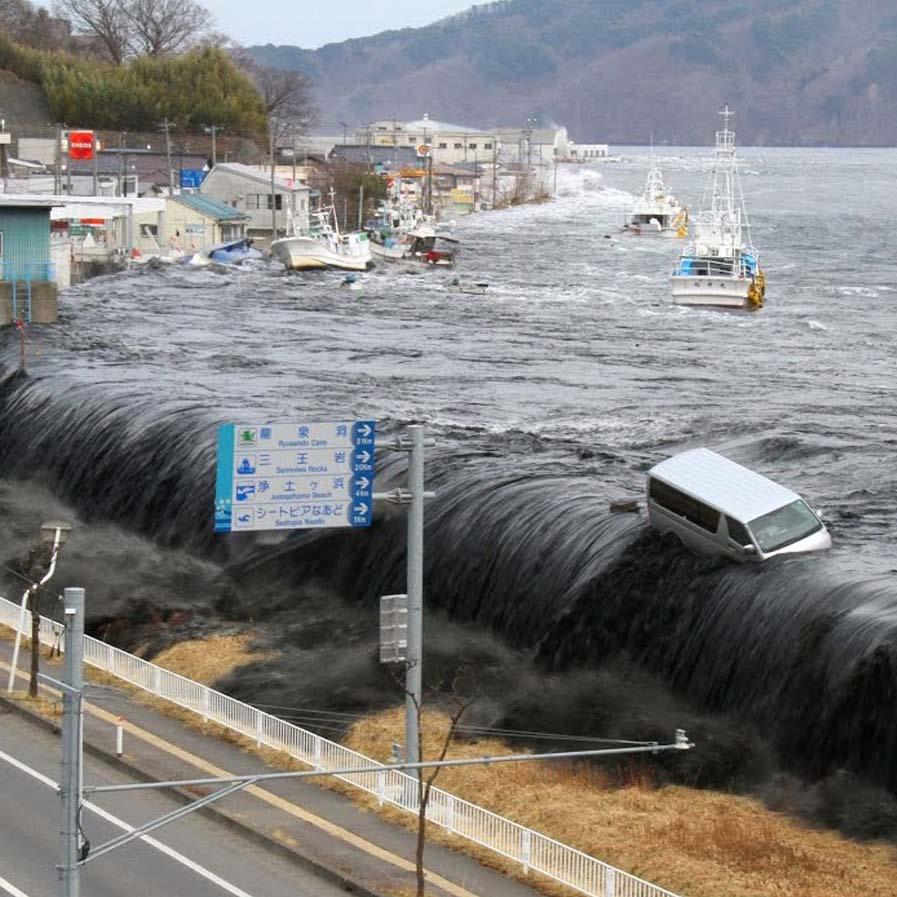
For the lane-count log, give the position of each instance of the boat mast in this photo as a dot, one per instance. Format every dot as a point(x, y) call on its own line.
point(722, 198)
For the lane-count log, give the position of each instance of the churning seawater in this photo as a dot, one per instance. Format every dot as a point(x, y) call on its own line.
point(548, 396)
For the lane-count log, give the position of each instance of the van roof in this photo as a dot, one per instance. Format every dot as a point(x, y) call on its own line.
point(733, 489)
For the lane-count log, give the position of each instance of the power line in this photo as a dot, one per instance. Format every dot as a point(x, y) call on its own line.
point(313, 716)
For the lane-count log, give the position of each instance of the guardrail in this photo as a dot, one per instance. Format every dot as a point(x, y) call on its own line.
point(533, 851)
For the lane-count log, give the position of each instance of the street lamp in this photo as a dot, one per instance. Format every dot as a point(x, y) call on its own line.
point(54, 533)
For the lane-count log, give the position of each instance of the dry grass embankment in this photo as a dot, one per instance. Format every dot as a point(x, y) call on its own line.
point(210, 659)
point(698, 843)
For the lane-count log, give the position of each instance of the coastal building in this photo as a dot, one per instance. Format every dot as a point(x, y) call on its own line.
point(381, 158)
point(534, 146)
point(248, 189)
point(191, 222)
point(449, 143)
point(567, 150)
point(33, 266)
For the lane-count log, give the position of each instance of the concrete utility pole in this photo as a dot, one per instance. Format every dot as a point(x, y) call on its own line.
point(166, 126)
point(273, 186)
point(96, 164)
point(360, 206)
point(415, 587)
point(70, 781)
point(57, 168)
point(4, 156)
point(214, 130)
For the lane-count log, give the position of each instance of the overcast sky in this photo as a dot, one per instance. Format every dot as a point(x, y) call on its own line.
point(310, 24)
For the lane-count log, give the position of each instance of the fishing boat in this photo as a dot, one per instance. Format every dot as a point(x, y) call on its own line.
point(324, 246)
point(404, 232)
point(720, 267)
point(655, 211)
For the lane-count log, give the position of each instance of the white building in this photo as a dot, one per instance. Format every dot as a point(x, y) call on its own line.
point(450, 143)
point(566, 150)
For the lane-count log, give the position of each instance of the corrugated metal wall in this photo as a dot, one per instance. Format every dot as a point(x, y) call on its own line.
point(26, 244)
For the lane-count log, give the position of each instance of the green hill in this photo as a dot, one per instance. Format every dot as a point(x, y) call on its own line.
point(796, 71)
point(193, 89)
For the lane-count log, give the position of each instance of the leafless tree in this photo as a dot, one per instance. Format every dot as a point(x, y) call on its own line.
point(164, 27)
point(285, 94)
point(32, 26)
point(460, 706)
point(104, 23)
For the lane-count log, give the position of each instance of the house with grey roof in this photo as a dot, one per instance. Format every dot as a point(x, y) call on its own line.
point(248, 189)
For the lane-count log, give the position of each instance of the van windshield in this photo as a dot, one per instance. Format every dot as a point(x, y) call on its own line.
point(784, 526)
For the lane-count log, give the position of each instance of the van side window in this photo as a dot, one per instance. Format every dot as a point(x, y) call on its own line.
point(684, 505)
point(738, 532)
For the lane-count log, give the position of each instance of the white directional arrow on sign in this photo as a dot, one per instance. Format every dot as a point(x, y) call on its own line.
point(360, 509)
point(363, 483)
point(364, 457)
point(365, 430)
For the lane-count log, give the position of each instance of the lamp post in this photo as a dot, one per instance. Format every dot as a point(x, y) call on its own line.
point(53, 533)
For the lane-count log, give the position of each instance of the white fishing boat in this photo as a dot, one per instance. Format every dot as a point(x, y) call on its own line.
point(324, 246)
point(403, 232)
point(656, 211)
point(720, 267)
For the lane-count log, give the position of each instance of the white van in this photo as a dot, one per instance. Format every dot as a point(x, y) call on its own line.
point(716, 506)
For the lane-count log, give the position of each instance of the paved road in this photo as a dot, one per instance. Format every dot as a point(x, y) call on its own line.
point(194, 857)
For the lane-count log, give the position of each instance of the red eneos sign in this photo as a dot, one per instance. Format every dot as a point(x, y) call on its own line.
point(81, 145)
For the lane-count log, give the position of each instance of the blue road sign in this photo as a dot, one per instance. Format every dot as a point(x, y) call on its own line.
point(192, 177)
point(294, 476)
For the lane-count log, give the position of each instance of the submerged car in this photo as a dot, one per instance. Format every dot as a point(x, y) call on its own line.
point(715, 506)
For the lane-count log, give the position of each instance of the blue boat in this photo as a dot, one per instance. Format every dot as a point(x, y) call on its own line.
point(234, 252)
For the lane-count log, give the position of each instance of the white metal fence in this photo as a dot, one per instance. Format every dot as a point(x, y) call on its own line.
point(533, 851)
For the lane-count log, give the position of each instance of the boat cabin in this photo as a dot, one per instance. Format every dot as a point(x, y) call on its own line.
point(715, 506)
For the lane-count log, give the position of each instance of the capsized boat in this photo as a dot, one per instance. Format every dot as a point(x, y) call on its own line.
point(656, 211)
point(720, 267)
point(233, 252)
point(324, 246)
point(469, 287)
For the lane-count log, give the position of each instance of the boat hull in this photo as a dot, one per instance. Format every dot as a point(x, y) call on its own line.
point(307, 254)
point(711, 292)
point(389, 253)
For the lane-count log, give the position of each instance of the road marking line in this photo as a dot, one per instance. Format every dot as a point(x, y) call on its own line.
point(274, 800)
point(10, 888)
point(120, 823)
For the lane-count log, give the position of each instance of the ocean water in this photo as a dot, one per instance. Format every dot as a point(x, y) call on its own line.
point(548, 397)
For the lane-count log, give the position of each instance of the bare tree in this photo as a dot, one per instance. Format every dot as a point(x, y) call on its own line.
point(164, 27)
point(460, 706)
point(286, 96)
point(105, 23)
point(425, 783)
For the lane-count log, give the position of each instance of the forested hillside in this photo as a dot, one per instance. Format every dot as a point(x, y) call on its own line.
point(796, 71)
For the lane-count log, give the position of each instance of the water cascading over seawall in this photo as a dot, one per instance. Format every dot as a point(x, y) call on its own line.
point(799, 647)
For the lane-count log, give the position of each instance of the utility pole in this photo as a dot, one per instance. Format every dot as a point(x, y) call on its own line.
point(4, 157)
point(57, 168)
point(96, 163)
point(166, 126)
point(70, 781)
point(271, 128)
point(476, 180)
point(415, 586)
point(360, 206)
point(494, 171)
point(214, 130)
